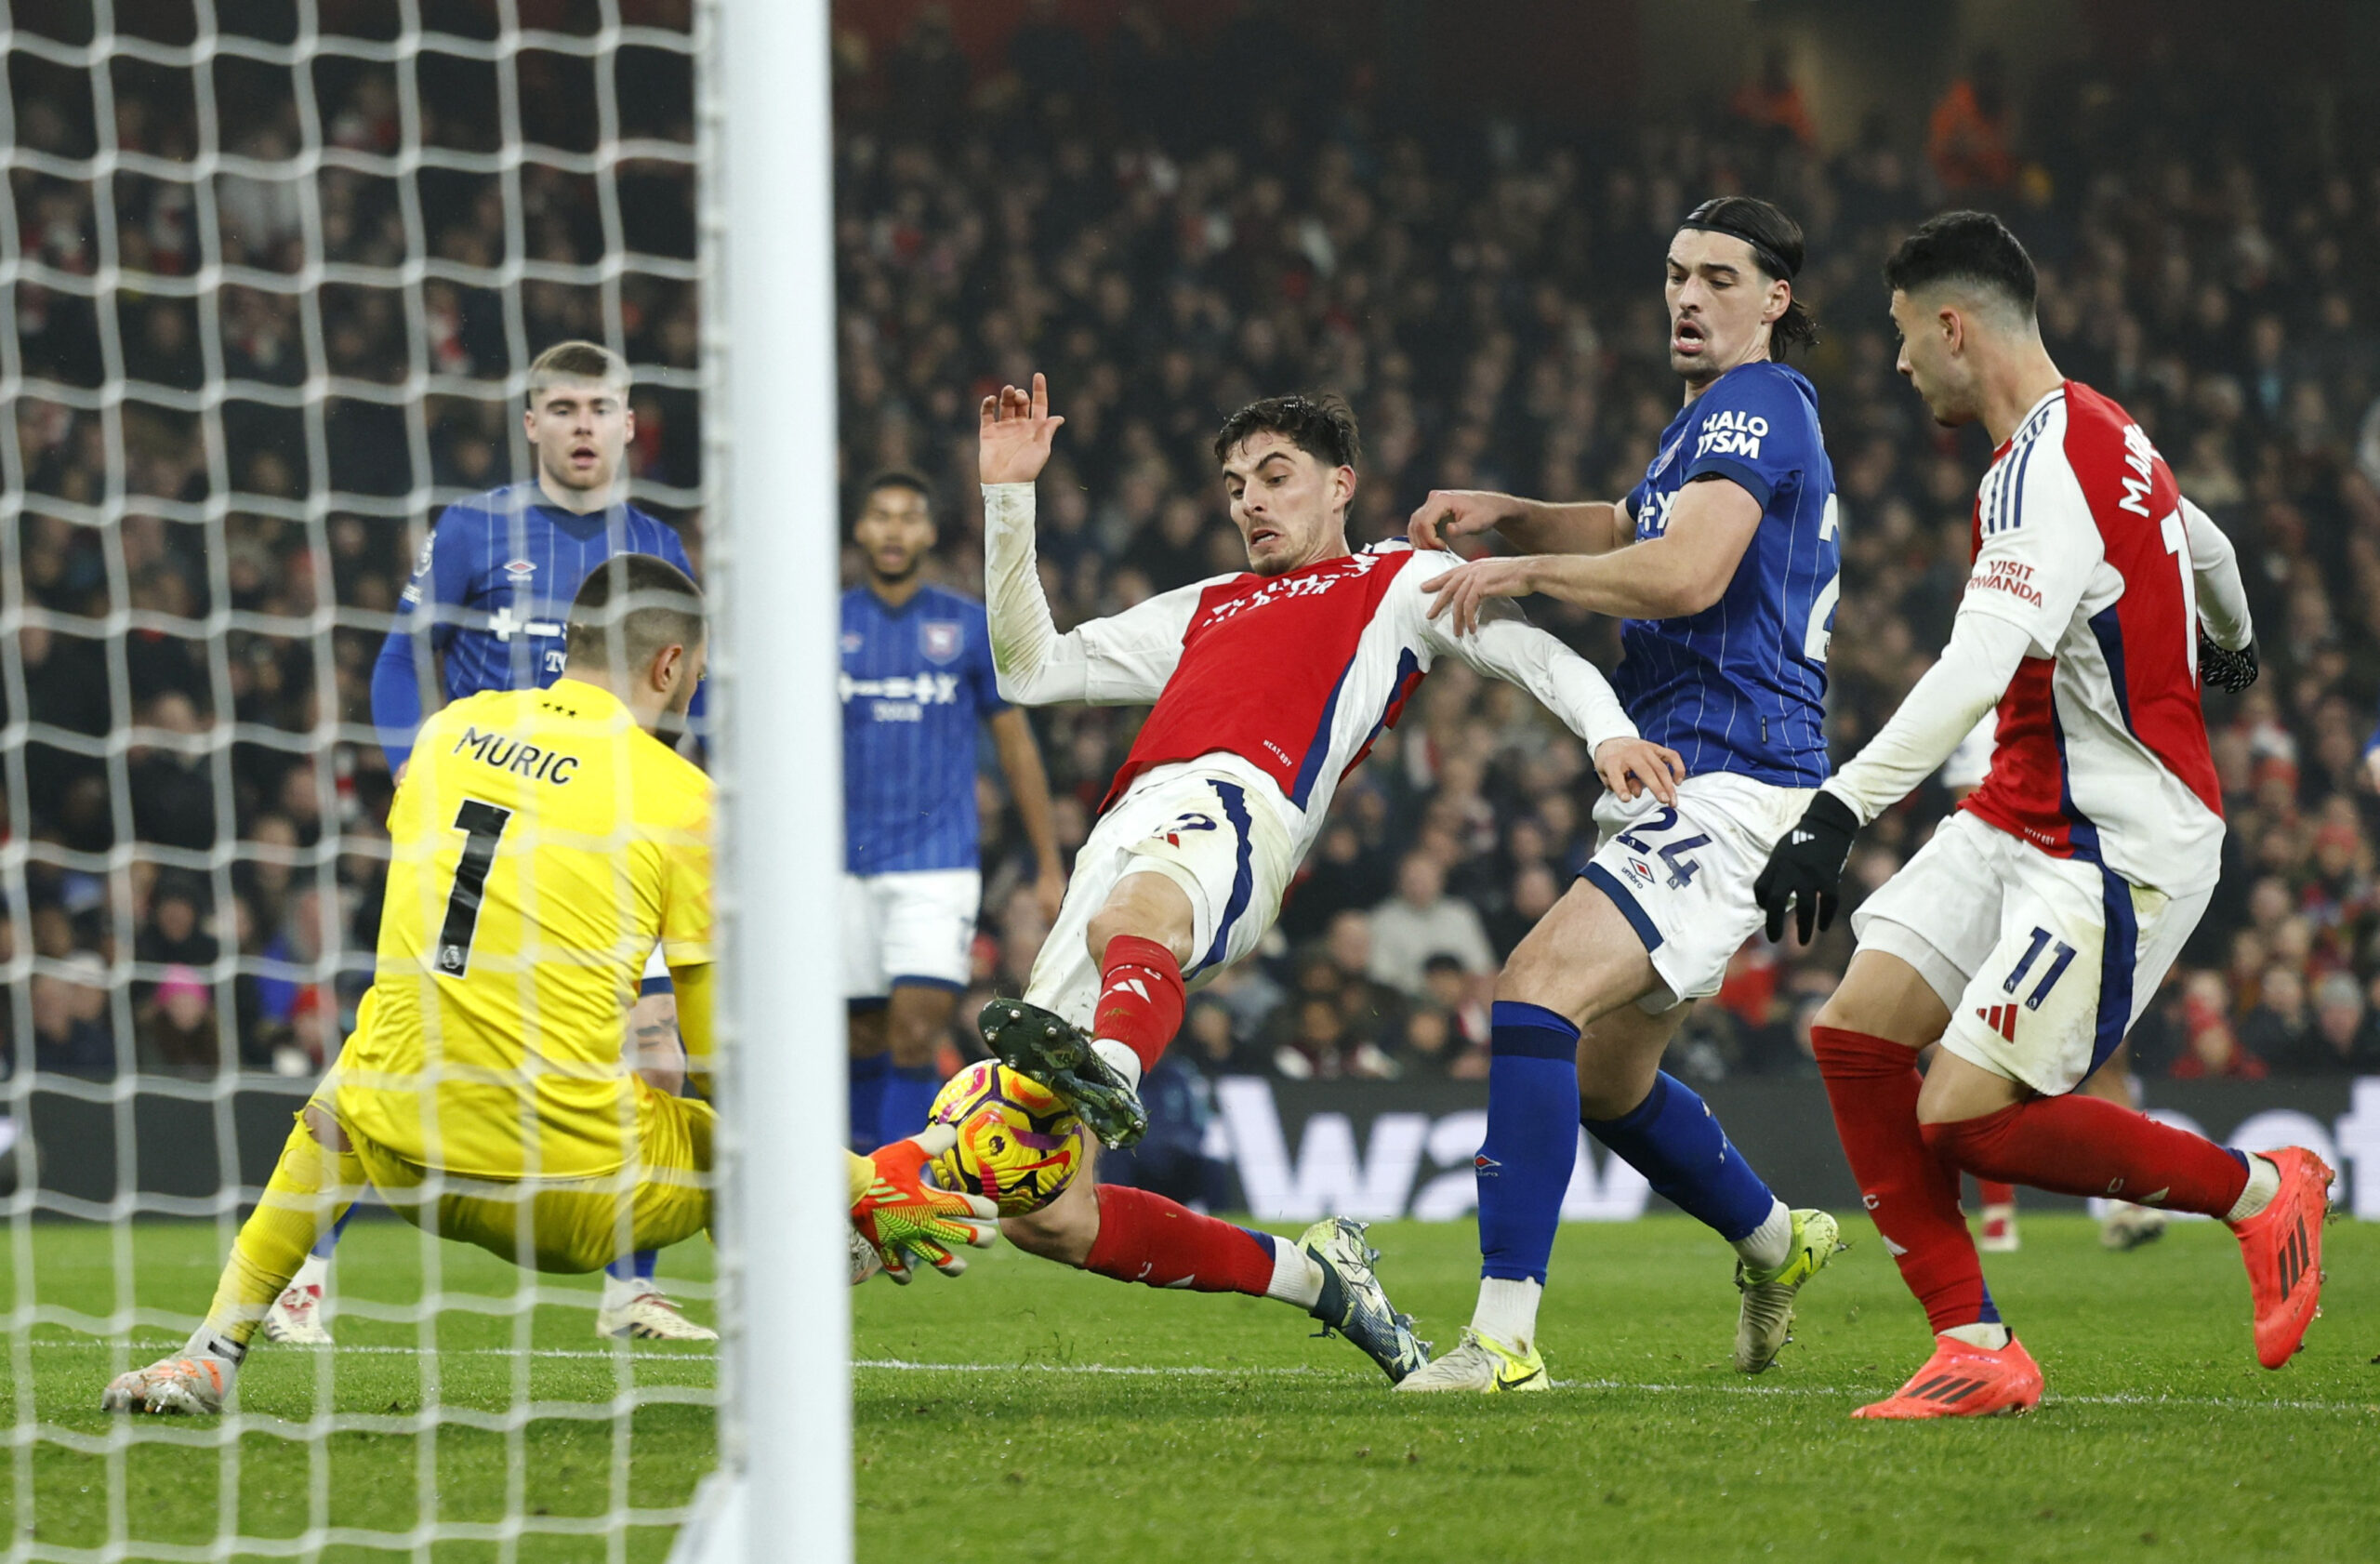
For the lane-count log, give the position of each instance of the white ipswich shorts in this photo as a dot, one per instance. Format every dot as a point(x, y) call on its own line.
point(1208, 834)
point(2044, 962)
point(1683, 877)
point(912, 927)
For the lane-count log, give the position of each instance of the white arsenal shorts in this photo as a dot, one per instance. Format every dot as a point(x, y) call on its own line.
point(2046, 962)
point(1683, 877)
point(1206, 831)
point(909, 928)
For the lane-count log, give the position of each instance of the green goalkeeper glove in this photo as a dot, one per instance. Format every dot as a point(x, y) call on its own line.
point(906, 1219)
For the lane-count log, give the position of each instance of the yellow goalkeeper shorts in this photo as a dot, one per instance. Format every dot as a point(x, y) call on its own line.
point(567, 1224)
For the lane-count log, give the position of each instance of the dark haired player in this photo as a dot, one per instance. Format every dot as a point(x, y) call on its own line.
point(916, 684)
point(2028, 934)
point(1722, 566)
point(1268, 687)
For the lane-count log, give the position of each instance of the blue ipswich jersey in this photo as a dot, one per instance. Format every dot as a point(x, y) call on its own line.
point(494, 585)
point(1741, 686)
point(917, 680)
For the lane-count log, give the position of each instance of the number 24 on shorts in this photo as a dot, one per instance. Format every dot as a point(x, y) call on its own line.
point(1682, 869)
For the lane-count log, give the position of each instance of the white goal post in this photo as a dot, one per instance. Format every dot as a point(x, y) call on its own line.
point(766, 134)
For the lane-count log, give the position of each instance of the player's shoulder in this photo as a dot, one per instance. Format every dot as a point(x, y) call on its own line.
point(953, 604)
point(643, 526)
point(671, 792)
point(479, 511)
point(487, 710)
point(1764, 384)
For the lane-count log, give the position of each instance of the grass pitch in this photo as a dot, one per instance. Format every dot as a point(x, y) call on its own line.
point(1028, 1412)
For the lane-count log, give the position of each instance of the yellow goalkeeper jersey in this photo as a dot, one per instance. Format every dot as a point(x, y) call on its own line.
point(541, 844)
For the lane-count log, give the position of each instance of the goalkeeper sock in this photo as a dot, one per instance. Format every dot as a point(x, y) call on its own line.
point(310, 1186)
point(1145, 1238)
point(329, 1242)
point(867, 1074)
point(1674, 1140)
point(908, 1101)
point(1139, 998)
point(636, 1269)
point(1525, 1164)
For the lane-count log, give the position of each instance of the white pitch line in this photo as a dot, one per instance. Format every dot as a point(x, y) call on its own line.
point(1195, 1372)
point(51, 1342)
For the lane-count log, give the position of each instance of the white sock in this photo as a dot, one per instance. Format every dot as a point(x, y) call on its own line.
point(314, 1271)
point(1989, 1337)
point(620, 1295)
point(204, 1343)
point(1125, 1062)
point(2264, 1183)
point(1297, 1277)
point(1766, 1247)
point(1507, 1310)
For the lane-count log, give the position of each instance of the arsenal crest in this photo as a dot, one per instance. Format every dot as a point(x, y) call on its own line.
point(940, 640)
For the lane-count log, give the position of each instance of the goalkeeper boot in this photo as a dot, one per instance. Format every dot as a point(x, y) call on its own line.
point(193, 1384)
point(1353, 1304)
point(1045, 1049)
point(1962, 1380)
point(2282, 1246)
point(1484, 1365)
point(648, 1316)
point(2128, 1226)
point(1764, 1319)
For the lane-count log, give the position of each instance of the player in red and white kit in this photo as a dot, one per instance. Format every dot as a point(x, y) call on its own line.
point(1269, 686)
point(2030, 933)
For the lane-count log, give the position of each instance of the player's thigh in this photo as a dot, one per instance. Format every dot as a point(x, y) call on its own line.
point(863, 924)
point(1924, 935)
point(928, 927)
point(1066, 1228)
point(1225, 850)
point(1682, 875)
point(2080, 952)
point(1582, 959)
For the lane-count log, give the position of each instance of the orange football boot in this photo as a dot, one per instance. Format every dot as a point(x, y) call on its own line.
point(1964, 1381)
point(2282, 1245)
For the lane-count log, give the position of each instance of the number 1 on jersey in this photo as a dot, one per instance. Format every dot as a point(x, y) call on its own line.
point(481, 825)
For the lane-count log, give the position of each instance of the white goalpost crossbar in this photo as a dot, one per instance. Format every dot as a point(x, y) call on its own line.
point(783, 1486)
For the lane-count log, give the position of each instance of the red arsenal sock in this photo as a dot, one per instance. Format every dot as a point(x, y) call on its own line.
point(1147, 1238)
point(1911, 1193)
point(2088, 1145)
point(1139, 997)
point(1992, 1192)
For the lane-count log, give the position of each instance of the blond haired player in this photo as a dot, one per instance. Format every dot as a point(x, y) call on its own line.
point(543, 843)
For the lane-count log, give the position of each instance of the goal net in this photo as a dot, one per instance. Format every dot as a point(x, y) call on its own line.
point(275, 272)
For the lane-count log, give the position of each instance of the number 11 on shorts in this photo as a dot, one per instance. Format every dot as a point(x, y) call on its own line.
point(2064, 958)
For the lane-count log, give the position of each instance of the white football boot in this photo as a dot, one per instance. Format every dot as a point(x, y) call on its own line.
point(2128, 1226)
point(296, 1317)
point(648, 1316)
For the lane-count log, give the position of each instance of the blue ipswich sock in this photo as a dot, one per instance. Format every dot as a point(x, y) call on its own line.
point(1674, 1140)
point(867, 1076)
point(328, 1242)
point(1525, 1163)
point(908, 1101)
point(636, 1267)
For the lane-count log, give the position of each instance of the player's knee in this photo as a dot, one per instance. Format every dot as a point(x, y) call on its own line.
point(1052, 1235)
point(1143, 916)
point(325, 1129)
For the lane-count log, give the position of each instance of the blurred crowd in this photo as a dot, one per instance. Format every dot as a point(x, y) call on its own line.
point(1169, 226)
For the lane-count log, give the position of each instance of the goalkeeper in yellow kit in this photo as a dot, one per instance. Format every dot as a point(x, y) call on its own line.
point(543, 841)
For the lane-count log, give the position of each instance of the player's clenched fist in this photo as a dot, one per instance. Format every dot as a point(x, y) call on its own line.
point(1451, 513)
point(1013, 445)
point(906, 1219)
point(1629, 766)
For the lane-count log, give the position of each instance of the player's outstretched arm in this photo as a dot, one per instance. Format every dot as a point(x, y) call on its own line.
point(1680, 573)
point(1572, 688)
point(905, 1219)
point(2227, 644)
point(1532, 527)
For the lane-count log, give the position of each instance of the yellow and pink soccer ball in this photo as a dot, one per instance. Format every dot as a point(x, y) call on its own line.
point(1019, 1144)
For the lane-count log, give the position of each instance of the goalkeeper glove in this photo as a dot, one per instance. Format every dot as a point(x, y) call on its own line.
point(1805, 868)
point(906, 1219)
point(2222, 668)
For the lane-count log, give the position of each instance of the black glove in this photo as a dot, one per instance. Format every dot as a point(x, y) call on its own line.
point(1805, 867)
point(2222, 670)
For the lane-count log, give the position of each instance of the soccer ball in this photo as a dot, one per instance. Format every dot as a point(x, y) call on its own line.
point(1018, 1143)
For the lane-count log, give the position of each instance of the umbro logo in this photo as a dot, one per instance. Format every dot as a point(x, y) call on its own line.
point(1486, 1166)
point(2000, 1019)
